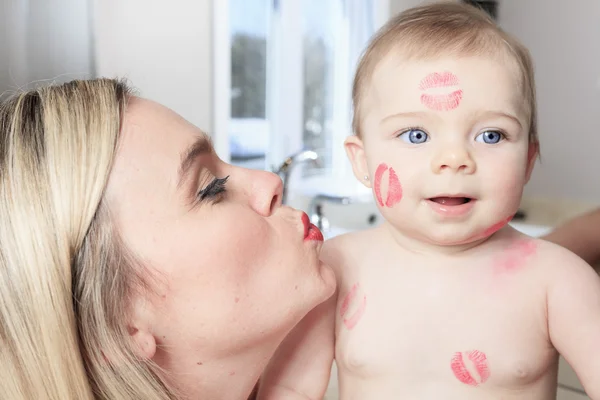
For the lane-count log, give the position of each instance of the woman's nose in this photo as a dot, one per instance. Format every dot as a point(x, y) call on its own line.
point(265, 191)
point(455, 158)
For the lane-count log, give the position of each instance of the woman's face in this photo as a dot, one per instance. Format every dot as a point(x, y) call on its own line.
point(232, 266)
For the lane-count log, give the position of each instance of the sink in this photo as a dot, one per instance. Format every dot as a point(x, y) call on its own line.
point(531, 230)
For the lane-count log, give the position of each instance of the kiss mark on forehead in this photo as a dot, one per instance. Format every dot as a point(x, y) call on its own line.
point(444, 100)
point(437, 79)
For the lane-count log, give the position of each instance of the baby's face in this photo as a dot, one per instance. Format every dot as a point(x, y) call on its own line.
point(445, 145)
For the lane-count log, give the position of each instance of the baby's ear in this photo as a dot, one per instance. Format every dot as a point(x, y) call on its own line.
point(532, 156)
point(355, 151)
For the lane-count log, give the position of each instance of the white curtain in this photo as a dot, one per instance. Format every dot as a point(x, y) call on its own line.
point(361, 20)
point(42, 40)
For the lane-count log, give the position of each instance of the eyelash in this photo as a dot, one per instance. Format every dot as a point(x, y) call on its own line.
point(214, 190)
point(410, 128)
point(420, 128)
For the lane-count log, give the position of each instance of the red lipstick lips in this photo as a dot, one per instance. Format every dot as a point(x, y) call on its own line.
point(311, 232)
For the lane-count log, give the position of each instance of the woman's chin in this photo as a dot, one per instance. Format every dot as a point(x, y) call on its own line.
point(329, 280)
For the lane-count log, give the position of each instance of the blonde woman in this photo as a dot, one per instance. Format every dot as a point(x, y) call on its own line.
point(134, 263)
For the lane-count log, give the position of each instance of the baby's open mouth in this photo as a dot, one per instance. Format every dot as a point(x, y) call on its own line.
point(451, 201)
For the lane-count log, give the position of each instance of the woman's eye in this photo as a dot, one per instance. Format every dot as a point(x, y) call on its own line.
point(213, 190)
point(414, 136)
point(490, 137)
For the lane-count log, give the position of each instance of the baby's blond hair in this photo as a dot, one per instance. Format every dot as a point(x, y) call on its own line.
point(444, 29)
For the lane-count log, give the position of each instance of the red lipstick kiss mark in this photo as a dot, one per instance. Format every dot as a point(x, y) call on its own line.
point(353, 319)
point(440, 101)
point(394, 194)
point(479, 363)
point(515, 255)
point(496, 227)
point(492, 229)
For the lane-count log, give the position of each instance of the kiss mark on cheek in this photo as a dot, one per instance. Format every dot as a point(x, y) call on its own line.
point(475, 371)
point(444, 101)
point(515, 256)
point(394, 189)
point(348, 301)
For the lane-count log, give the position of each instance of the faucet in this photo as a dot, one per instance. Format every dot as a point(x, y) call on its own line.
point(285, 169)
point(315, 208)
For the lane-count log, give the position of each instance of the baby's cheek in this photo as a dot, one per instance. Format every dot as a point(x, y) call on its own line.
point(387, 186)
point(505, 186)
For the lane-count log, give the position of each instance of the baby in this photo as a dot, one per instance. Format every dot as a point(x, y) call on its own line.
point(444, 300)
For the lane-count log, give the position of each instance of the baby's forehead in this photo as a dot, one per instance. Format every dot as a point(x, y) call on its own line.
point(485, 82)
point(412, 70)
point(400, 75)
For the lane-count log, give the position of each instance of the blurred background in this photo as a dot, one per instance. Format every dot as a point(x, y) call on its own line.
point(270, 81)
point(269, 78)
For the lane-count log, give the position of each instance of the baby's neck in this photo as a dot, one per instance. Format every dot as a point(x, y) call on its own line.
point(422, 247)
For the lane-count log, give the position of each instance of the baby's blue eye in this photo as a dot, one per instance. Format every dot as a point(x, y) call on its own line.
point(414, 136)
point(490, 137)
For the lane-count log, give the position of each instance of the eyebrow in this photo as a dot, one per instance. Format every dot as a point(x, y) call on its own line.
point(417, 114)
point(202, 145)
point(505, 115)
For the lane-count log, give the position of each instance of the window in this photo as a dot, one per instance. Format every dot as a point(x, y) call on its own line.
point(291, 64)
point(248, 124)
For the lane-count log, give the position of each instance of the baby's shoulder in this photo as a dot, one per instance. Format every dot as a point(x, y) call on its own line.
point(546, 262)
point(558, 262)
point(348, 249)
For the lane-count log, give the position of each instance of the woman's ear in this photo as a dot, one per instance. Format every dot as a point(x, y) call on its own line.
point(140, 332)
point(144, 342)
point(355, 151)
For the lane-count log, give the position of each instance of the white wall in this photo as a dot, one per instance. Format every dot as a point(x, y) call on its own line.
point(43, 41)
point(163, 47)
point(397, 6)
point(563, 39)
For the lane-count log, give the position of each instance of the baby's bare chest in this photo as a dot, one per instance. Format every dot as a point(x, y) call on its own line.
point(475, 329)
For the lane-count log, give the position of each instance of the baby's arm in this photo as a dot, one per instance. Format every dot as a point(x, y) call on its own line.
point(573, 302)
point(302, 364)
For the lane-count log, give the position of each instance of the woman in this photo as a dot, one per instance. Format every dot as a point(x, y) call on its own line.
point(581, 235)
point(134, 264)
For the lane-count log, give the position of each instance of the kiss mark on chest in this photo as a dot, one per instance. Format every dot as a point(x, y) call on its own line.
point(515, 256)
point(470, 367)
point(358, 302)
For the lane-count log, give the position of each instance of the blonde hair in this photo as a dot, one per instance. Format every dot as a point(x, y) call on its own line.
point(65, 277)
point(441, 29)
